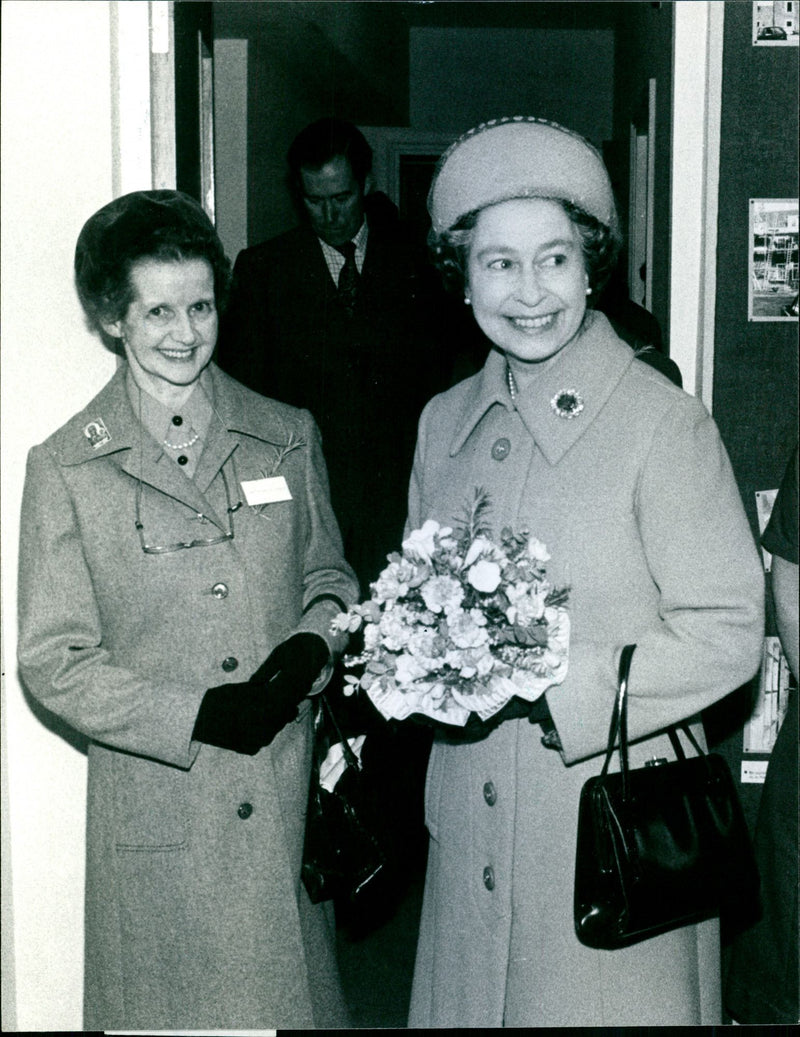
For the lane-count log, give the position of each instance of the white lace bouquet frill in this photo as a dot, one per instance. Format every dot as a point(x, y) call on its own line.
point(459, 624)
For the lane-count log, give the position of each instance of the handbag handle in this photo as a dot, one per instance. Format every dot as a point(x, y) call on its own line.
point(619, 724)
point(619, 719)
point(350, 758)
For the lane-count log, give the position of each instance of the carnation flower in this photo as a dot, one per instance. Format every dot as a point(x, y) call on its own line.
point(390, 585)
point(441, 593)
point(394, 631)
point(467, 629)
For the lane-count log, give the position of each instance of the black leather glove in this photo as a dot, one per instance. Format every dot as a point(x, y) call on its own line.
point(297, 661)
point(245, 717)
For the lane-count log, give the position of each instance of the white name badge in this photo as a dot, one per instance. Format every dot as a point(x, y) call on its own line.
point(266, 491)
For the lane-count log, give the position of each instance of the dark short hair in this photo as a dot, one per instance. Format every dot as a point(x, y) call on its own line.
point(600, 244)
point(322, 141)
point(163, 225)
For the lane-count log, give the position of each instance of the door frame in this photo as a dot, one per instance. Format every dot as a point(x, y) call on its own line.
point(697, 73)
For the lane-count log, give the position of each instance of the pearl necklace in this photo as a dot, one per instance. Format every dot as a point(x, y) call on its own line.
point(512, 385)
point(182, 446)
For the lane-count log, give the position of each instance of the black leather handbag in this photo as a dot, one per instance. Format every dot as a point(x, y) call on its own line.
point(343, 855)
point(661, 846)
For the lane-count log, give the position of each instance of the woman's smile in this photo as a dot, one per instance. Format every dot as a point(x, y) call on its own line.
point(170, 329)
point(527, 278)
point(533, 324)
point(177, 354)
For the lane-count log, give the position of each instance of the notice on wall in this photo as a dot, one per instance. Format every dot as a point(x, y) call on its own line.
point(761, 730)
point(754, 772)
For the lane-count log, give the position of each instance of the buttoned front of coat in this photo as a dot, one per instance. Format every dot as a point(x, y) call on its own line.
point(195, 915)
point(634, 497)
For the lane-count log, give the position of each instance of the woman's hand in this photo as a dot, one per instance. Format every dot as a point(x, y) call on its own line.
point(247, 716)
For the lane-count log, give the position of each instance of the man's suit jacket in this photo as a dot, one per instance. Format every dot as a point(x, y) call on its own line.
point(365, 377)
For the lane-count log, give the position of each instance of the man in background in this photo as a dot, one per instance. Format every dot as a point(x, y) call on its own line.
point(341, 315)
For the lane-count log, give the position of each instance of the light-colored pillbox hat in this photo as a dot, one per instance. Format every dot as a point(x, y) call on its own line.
point(519, 157)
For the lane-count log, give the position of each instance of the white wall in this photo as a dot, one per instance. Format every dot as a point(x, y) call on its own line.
point(58, 138)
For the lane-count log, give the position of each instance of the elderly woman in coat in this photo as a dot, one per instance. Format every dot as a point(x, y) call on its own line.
point(180, 565)
point(624, 478)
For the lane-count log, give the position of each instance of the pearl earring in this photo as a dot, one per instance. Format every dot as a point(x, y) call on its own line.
point(588, 291)
point(467, 300)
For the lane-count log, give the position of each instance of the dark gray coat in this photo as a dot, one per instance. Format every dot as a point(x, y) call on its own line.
point(195, 913)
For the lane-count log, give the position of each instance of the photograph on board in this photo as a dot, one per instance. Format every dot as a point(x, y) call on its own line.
point(775, 23)
point(772, 293)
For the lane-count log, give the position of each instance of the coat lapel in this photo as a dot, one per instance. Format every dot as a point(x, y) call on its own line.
point(125, 442)
point(589, 369)
point(109, 428)
point(591, 366)
point(237, 413)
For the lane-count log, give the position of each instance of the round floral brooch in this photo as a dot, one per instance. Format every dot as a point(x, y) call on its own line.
point(567, 403)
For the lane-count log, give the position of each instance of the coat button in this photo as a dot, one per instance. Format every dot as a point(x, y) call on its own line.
point(490, 793)
point(183, 459)
point(177, 420)
point(230, 664)
point(244, 810)
point(501, 449)
point(488, 877)
point(220, 590)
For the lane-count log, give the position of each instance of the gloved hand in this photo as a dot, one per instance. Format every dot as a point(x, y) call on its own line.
point(245, 717)
point(297, 661)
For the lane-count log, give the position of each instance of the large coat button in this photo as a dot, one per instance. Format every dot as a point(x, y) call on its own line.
point(244, 810)
point(488, 877)
point(490, 793)
point(220, 590)
point(230, 664)
point(501, 449)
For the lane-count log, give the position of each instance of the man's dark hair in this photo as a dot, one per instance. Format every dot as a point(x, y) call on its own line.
point(323, 140)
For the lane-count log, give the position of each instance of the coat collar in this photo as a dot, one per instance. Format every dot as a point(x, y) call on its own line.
point(592, 365)
point(108, 427)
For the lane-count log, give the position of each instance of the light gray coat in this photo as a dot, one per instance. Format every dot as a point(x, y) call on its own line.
point(636, 502)
point(195, 913)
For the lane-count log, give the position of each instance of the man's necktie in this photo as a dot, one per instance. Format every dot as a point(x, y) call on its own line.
point(348, 275)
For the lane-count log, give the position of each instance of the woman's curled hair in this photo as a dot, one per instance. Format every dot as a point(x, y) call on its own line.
point(166, 226)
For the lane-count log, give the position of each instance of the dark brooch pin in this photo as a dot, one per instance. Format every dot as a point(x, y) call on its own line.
point(567, 403)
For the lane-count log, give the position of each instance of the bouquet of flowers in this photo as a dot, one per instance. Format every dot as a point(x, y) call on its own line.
point(458, 624)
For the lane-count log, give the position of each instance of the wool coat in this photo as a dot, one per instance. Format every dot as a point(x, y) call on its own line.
point(195, 913)
point(636, 502)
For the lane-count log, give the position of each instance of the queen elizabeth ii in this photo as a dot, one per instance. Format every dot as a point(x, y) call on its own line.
point(625, 480)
